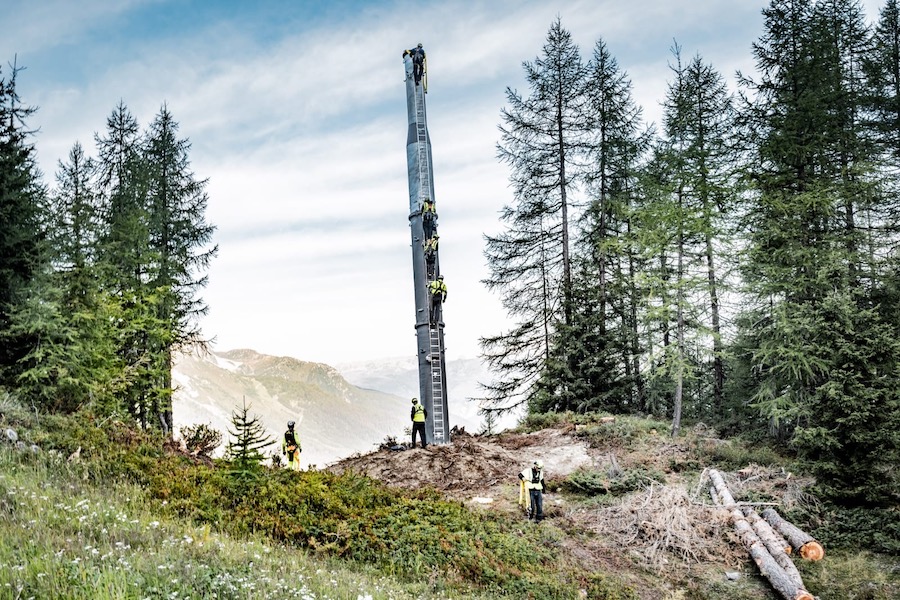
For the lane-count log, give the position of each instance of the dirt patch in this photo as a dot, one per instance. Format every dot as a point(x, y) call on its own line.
point(472, 468)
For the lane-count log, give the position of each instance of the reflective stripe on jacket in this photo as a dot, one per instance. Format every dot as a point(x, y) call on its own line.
point(531, 481)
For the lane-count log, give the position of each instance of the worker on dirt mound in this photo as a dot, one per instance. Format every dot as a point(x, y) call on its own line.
point(417, 415)
point(290, 447)
point(531, 490)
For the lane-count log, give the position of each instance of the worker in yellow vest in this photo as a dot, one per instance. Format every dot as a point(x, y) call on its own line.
point(438, 290)
point(417, 415)
point(429, 217)
point(431, 246)
point(290, 447)
point(531, 490)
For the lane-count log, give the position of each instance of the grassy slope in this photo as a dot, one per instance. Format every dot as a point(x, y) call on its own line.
point(130, 520)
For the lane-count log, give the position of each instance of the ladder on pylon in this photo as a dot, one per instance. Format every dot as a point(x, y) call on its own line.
point(421, 136)
point(437, 383)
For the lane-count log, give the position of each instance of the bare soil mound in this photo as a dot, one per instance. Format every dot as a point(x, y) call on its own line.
point(473, 468)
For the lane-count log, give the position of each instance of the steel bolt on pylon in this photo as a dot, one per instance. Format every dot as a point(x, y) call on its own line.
point(429, 332)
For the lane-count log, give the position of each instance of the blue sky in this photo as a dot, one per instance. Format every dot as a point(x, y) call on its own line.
point(296, 113)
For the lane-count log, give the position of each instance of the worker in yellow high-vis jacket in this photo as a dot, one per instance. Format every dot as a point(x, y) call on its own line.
point(532, 487)
point(290, 447)
point(438, 291)
point(418, 414)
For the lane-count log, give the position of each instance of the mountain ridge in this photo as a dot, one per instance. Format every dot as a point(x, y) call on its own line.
point(339, 410)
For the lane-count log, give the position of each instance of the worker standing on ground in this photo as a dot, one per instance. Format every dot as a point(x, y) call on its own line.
point(532, 489)
point(290, 447)
point(438, 291)
point(417, 415)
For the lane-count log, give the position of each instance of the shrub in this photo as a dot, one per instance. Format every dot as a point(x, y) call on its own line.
point(622, 432)
point(874, 529)
point(734, 454)
point(592, 483)
point(201, 439)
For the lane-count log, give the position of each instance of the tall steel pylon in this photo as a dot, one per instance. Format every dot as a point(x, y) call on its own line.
point(426, 263)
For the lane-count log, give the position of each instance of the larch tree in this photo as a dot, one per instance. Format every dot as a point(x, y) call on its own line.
point(530, 263)
point(591, 366)
point(697, 123)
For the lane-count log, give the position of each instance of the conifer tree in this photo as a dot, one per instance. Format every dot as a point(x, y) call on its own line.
point(882, 66)
point(179, 242)
point(591, 366)
point(124, 258)
point(21, 233)
point(69, 314)
point(245, 449)
point(685, 222)
point(530, 262)
point(817, 327)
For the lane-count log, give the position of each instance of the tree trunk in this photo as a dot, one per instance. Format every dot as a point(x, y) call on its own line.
point(775, 544)
point(768, 566)
point(805, 545)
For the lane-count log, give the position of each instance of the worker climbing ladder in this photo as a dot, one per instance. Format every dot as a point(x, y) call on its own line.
point(429, 323)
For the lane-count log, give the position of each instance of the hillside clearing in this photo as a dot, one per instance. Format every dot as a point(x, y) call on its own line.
point(665, 536)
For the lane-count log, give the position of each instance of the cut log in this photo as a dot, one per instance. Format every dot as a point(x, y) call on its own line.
point(775, 544)
point(805, 545)
point(768, 566)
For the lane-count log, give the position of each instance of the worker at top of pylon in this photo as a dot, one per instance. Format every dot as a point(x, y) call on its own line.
point(428, 206)
point(418, 58)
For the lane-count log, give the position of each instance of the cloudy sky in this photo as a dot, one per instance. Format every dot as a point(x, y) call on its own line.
point(296, 111)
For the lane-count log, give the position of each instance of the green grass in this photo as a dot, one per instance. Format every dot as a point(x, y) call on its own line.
point(62, 537)
point(132, 519)
point(132, 516)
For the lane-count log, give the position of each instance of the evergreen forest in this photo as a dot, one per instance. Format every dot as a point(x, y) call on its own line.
point(735, 264)
point(100, 273)
point(733, 268)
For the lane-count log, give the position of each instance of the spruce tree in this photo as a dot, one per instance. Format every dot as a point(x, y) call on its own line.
point(124, 258)
point(179, 242)
point(245, 449)
point(810, 271)
point(21, 227)
point(70, 314)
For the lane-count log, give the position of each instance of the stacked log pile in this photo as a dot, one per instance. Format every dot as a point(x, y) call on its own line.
point(764, 536)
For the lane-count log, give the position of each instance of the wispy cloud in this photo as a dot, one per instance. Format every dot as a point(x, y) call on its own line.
point(296, 113)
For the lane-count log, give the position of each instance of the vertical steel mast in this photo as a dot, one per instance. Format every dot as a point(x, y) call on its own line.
point(426, 266)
